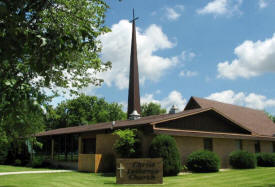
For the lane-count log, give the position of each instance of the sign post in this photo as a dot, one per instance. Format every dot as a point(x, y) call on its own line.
point(139, 171)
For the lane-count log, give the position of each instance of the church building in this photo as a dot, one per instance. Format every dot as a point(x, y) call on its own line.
point(203, 124)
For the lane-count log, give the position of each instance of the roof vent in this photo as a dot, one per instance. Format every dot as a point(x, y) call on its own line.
point(173, 109)
point(135, 115)
point(113, 124)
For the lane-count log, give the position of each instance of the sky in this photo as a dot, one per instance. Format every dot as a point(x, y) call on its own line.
point(217, 49)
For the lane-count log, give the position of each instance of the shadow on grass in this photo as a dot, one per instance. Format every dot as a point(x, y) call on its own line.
point(107, 174)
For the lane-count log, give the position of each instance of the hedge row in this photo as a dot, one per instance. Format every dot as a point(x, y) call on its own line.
point(206, 161)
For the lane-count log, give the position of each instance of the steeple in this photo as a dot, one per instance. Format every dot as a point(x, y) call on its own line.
point(133, 93)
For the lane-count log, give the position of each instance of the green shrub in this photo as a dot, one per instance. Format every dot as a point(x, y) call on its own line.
point(265, 159)
point(203, 161)
point(39, 162)
point(164, 146)
point(128, 144)
point(17, 162)
point(242, 160)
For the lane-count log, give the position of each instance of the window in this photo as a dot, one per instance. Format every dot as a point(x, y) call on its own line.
point(208, 144)
point(257, 146)
point(89, 146)
point(239, 144)
point(273, 145)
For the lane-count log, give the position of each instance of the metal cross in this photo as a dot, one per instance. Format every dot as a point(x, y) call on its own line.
point(121, 167)
point(134, 18)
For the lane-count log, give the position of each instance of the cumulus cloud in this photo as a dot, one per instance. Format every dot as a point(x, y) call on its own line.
point(187, 56)
point(221, 7)
point(250, 100)
point(174, 98)
point(116, 48)
point(253, 59)
point(262, 3)
point(188, 73)
point(172, 14)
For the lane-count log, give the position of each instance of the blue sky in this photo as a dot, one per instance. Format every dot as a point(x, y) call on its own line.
point(218, 49)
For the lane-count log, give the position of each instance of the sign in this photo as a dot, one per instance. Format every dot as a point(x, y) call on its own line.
point(139, 171)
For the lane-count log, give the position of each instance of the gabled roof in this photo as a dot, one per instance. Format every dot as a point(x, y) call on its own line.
point(118, 124)
point(254, 120)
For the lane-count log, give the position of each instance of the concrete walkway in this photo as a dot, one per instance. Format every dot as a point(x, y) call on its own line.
point(31, 172)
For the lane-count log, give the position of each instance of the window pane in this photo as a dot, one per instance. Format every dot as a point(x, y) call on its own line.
point(239, 144)
point(257, 147)
point(208, 144)
point(89, 146)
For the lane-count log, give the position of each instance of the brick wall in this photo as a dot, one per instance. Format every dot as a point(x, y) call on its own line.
point(266, 147)
point(187, 145)
point(223, 148)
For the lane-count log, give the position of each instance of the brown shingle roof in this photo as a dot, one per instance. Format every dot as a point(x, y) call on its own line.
point(254, 120)
point(193, 133)
point(118, 124)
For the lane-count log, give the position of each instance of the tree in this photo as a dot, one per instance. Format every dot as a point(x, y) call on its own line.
point(83, 110)
point(270, 116)
point(128, 143)
point(151, 109)
point(45, 44)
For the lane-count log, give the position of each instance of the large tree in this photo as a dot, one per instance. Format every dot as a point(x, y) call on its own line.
point(149, 109)
point(45, 44)
point(83, 110)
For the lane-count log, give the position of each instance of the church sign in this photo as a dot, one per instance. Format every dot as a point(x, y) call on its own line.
point(139, 171)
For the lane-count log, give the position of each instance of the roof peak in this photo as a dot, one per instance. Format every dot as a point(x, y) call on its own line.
point(211, 100)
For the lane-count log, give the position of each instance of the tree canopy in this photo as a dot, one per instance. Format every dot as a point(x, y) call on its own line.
point(83, 110)
point(149, 109)
point(45, 45)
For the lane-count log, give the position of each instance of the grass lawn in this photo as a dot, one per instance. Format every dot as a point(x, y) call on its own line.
point(6, 168)
point(252, 177)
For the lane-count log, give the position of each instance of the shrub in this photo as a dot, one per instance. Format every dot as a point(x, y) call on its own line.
point(265, 159)
point(17, 162)
point(203, 161)
point(128, 143)
point(39, 162)
point(242, 160)
point(164, 146)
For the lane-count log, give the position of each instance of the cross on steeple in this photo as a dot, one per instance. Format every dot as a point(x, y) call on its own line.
point(134, 18)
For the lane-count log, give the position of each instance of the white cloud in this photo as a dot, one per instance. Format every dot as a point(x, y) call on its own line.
point(171, 14)
point(262, 3)
point(116, 48)
point(187, 56)
point(251, 100)
point(188, 73)
point(221, 7)
point(253, 59)
point(174, 98)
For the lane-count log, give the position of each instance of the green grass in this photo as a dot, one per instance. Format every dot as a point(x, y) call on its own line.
point(6, 168)
point(235, 178)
